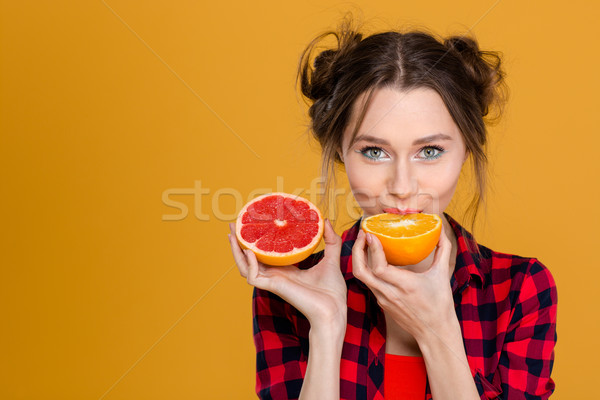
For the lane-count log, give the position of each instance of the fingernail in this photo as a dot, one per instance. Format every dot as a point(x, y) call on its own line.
point(369, 238)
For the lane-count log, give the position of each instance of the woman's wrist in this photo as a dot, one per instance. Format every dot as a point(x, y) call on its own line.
point(334, 319)
point(329, 333)
point(444, 333)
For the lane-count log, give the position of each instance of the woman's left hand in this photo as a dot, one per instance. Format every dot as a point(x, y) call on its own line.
point(420, 302)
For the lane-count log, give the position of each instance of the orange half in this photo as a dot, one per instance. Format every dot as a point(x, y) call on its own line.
point(406, 239)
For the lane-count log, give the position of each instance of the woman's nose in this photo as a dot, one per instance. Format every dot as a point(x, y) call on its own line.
point(402, 181)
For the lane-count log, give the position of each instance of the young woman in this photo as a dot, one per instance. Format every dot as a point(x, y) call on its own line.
point(402, 112)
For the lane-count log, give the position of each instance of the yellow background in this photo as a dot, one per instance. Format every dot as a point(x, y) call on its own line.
point(107, 292)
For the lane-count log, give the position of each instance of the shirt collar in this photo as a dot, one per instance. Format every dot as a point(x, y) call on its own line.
point(468, 263)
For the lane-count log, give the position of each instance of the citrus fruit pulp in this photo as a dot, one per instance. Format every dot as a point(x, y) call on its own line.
point(406, 239)
point(280, 228)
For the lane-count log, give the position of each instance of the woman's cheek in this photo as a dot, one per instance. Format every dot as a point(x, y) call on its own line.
point(364, 181)
point(440, 186)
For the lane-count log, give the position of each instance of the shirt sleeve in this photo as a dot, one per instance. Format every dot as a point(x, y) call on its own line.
point(528, 353)
point(280, 358)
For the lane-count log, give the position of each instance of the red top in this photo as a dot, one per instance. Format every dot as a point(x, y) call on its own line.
point(404, 377)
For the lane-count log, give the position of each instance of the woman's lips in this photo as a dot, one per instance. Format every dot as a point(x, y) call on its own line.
point(402, 212)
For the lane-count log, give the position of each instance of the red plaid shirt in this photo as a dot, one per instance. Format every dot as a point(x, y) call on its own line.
point(506, 306)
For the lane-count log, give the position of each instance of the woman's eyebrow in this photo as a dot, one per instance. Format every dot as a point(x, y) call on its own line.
point(432, 138)
point(369, 138)
point(423, 140)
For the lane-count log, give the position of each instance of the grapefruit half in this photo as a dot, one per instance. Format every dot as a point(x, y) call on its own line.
point(280, 228)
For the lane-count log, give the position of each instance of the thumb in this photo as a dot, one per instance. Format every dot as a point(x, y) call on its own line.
point(333, 242)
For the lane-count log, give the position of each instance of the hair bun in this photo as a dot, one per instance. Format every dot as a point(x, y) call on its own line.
point(484, 69)
point(322, 76)
point(317, 81)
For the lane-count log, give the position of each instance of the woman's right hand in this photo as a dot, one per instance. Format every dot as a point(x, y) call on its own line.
point(318, 292)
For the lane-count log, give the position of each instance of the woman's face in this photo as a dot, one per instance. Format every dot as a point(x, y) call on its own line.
point(407, 155)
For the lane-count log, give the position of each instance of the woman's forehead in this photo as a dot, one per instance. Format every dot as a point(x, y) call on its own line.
point(401, 116)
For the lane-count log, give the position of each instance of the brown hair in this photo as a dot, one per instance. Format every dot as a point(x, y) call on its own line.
point(470, 82)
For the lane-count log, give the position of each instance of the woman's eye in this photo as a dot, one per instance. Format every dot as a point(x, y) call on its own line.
point(374, 153)
point(432, 152)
